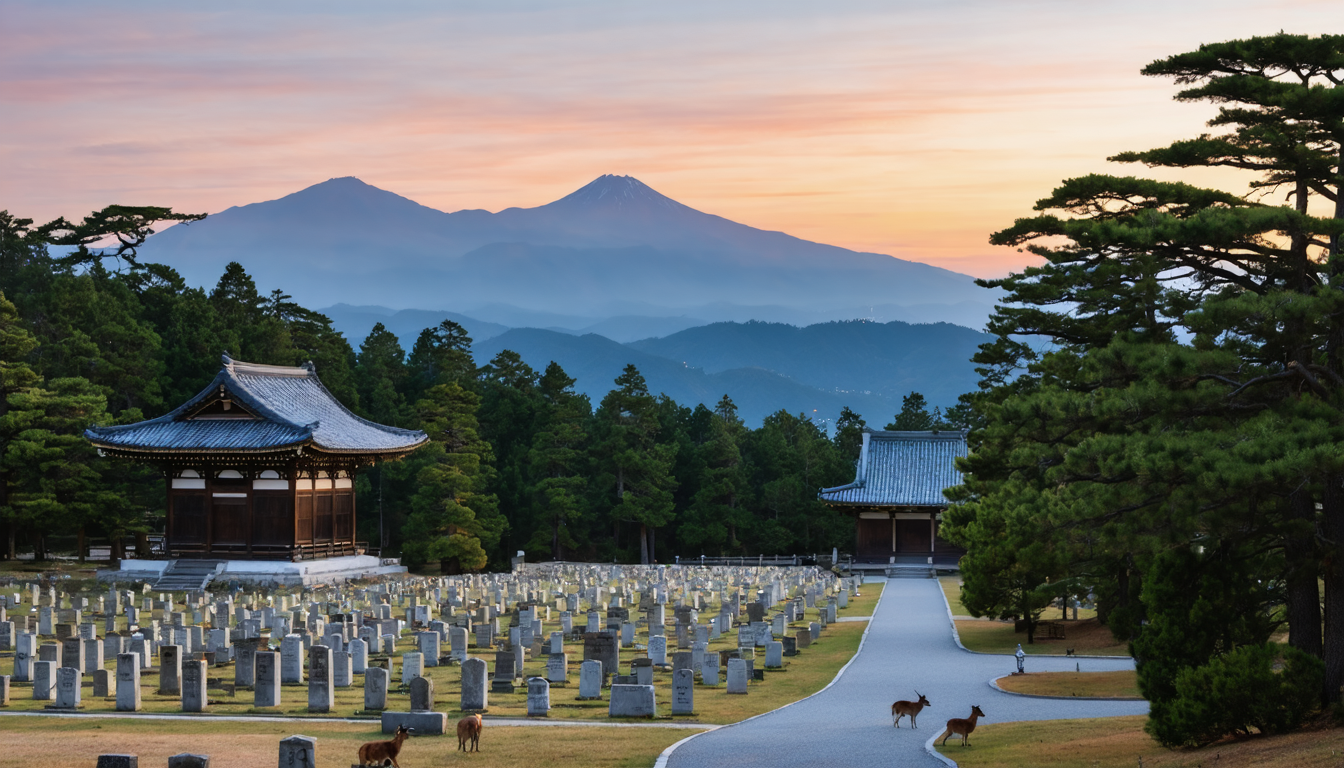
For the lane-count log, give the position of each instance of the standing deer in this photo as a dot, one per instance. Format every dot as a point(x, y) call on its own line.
point(384, 752)
point(469, 731)
point(963, 726)
point(912, 708)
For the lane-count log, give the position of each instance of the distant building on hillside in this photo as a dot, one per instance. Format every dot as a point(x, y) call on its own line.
point(897, 497)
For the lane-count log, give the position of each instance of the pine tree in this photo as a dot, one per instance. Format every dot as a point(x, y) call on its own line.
point(380, 375)
point(634, 471)
point(914, 415)
point(452, 520)
point(849, 433)
point(556, 464)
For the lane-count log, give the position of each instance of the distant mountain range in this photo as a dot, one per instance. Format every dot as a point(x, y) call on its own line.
point(764, 367)
point(613, 249)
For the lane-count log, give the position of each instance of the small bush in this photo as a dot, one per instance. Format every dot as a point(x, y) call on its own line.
point(1239, 691)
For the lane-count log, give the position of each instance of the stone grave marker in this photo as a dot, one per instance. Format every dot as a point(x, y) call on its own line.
point(266, 679)
point(683, 692)
point(474, 693)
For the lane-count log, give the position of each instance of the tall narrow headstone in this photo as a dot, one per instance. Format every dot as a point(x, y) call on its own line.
point(737, 676)
point(170, 670)
point(320, 693)
point(375, 688)
point(683, 692)
point(194, 697)
point(291, 659)
point(475, 693)
point(43, 672)
point(538, 697)
point(128, 682)
point(68, 688)
point(422, 694)
point(266, 679)
point(590, 679)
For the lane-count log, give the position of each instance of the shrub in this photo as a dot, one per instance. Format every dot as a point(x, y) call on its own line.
point(1238, 691)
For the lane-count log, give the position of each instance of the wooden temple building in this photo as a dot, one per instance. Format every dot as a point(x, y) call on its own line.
point(260, 465)
point(897, 497)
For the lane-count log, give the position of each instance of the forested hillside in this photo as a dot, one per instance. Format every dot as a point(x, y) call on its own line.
point(520, 460)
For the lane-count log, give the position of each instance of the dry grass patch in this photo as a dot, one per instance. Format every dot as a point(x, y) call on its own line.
point(952, 591)
point(34, 741)
point(1107, 685)
point(1084, 637)
point(1120, 742)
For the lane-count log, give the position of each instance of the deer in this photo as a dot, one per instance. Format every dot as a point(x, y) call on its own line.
point(912, 708)
point(963, 726)
point(469, 730)
point(382, 753)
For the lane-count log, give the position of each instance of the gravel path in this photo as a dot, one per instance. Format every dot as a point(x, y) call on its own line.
point(909, 646)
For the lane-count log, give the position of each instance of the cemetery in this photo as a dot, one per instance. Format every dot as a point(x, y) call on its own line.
point(602, 643)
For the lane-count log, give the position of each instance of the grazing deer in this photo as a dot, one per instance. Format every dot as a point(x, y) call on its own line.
point(912, 708)
point(384, 752)
point(963, 726)
point(469, 730)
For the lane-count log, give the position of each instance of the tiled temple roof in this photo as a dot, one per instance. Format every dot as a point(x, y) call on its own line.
point(277, 408)
point(902, 469)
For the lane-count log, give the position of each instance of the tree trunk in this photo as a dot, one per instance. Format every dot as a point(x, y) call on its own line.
point(653, 552)
point(142, 544)
point(1303, 591)
point(1332, 503)
point(643, 544)
point(114, 553)
point(81, 544)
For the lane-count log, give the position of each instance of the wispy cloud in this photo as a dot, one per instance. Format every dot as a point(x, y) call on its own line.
point(913, 128)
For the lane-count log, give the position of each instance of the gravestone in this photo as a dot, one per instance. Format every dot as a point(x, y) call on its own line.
point(93, 655)
point(789, 645)
point(320, 692)
point(128, 682)
point(502, 682)
point(193, 686)
point(244, 660)
point(188, 760)
point(642, 669)
point(803, 639)
point(428, 645)
point(737, 676)
point(474, 693)
point(457, 643)
point(590, 680)
point(170, 670)
point(342, 670)
point(557, 668)
point(632, 701)
point(375, 688)
point(25, 645)
point(118, 761)
point(538, 697)
point(683, 692)
point(422, 694)
point(43, 671)
point(359, 656)
point(709, 669)
point(291, 659)
point(412, 666)
point(298, 752)
point(68, 689)
point(102, 683)
point(683, 660)
point(266, 679)
point(658, 651)
point(774, 655)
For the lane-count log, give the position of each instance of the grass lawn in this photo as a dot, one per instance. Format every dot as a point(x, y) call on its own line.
point(78, 742)
point(1084, 637)
point(1108, 685)
point(1119, 742)
point(952, 589)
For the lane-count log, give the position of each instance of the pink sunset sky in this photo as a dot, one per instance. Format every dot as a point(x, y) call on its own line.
point(908, 128)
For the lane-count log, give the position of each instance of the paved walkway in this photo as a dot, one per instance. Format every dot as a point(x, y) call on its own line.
point(909, 646)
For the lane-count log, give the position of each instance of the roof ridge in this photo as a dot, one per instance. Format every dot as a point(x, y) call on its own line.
point(263, 369)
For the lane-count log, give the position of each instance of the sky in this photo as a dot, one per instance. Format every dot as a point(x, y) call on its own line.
point(913, 129)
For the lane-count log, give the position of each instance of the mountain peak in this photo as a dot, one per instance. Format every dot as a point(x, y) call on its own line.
point(611, 191)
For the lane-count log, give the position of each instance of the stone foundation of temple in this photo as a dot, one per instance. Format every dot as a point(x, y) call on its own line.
point(330, 570)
